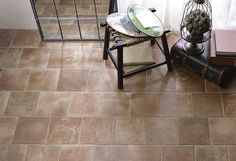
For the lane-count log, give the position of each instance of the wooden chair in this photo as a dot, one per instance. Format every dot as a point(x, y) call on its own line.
point(122, 41)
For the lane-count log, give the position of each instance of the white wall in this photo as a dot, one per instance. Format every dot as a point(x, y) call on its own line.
point(16, 14)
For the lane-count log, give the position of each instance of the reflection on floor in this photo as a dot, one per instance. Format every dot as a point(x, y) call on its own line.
point(59, 102)
point(66, 9)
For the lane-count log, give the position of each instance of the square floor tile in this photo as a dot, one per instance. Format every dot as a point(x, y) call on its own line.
point(176, 105)
point(31, 130)
point(159, 79)
point(42, 153)
point(12, 152)
point(136, 83)
point(129, 131)
point(146, 104)
point(34, 58)
point(9, 58)
point(81, 153)
point(14, 79)
point(7, 129)
point(207, 105)
point(43, 80)
point(144, 153)
point(4, 96)
point(177, 153)
point(73, 80)
point(102, 80)
point(111, 153)
point(94, 59)
point(96, 131)
point(229, 102)
point(64, 131)
point(211, 153)
point(84, 104)
point(222, 131)
point(193, 131)
point(161, 131)
point(22, 104)
point(187, 81)
point(6, 37)
point(232, 153)
point(3, 152)
point(114, 104)
point(26, 38)
point(63, 58)
point(53, 104)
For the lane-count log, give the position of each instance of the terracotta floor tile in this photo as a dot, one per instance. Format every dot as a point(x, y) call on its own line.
point(6, 37)
point(102, 80)
point(12, 152)
point(129, 131)
point(176, 105)
point(159, 79)
point(4, 96)
point(31, 130)
point(229, 103)
point(94, 59)
point(7, 129)
point(34, 58)
point(73, 80)
point(42, 153)
point(222, 131)
point(14, 79)
point(161, 131)
point(84, 105)
point(111, 153)
point(81, 153)
point(211, 153)
point(9, 58)
point(207, 105)
point(63, 58)
point(64, 131)
point(53, 104)
point(22, 104)
point(193, 131)
point(43, 80)
point(232, 153)
point(136, 83)
point(177, 153)
point(114, 104)
point(96, 131)
point(144, 153)
point(146, 104)
point(3, 152)
point(26, 38)
point(187, 81)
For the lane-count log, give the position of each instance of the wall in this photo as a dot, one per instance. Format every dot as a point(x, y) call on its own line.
point(16, 14)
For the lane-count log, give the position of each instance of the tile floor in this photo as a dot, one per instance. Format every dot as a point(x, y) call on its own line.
point(59, 102)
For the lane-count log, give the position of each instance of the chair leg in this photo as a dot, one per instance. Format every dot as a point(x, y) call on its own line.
point(106, 44)
point(152, 41)
point(166, 52)
point(120, 67)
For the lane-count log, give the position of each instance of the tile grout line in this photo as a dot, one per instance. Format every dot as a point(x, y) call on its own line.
point(48, 129)
point(80, 130)
point(222, 105)
point(228, 155)
point(8, 99)
point(17, 126)
point(195, 152)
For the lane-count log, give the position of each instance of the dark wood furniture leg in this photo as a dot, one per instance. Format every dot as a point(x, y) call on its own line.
point(166, 51)
point(120, 67)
